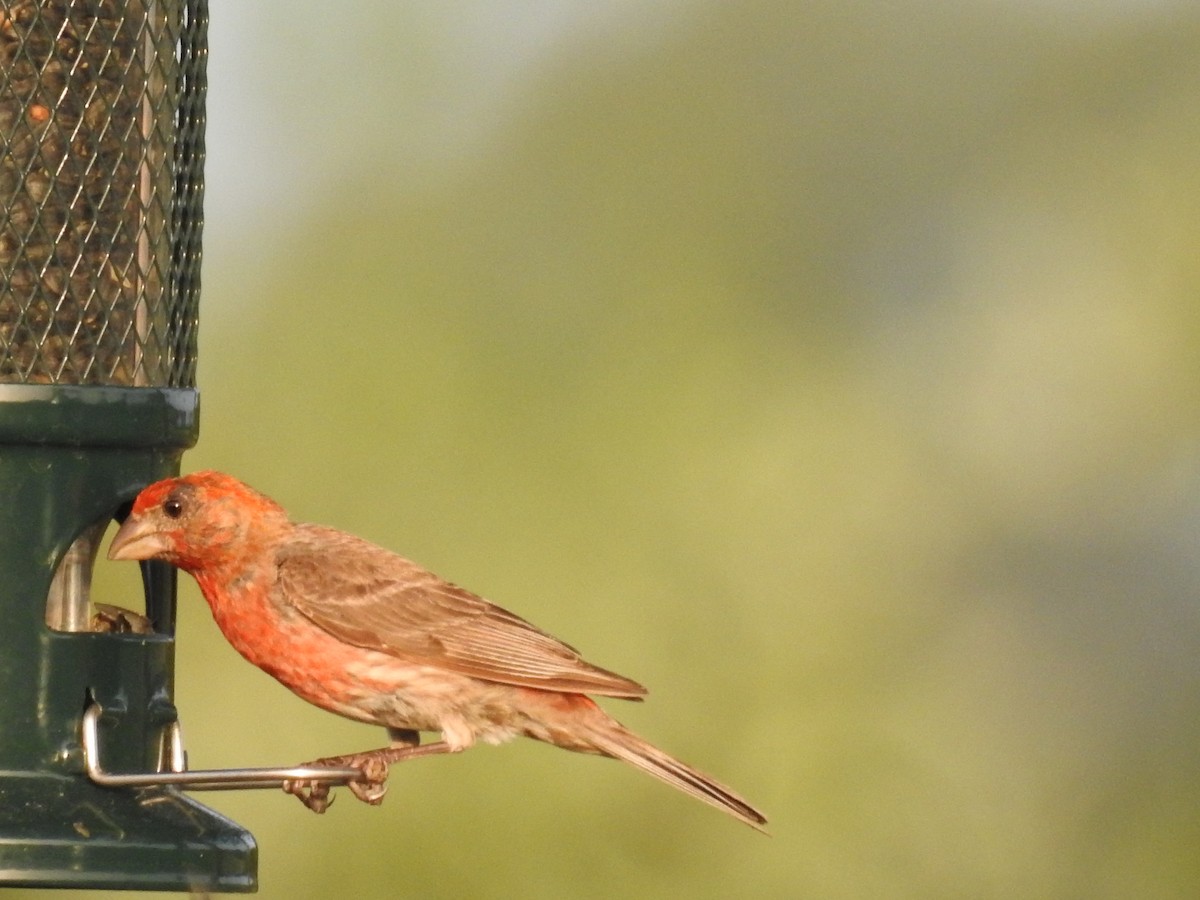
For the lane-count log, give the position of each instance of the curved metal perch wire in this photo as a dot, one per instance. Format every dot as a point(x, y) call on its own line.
point(198, 779)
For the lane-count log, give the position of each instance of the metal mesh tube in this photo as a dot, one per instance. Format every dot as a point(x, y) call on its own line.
point(101, 157)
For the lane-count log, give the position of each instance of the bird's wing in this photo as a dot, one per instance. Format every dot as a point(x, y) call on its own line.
point(367, 596)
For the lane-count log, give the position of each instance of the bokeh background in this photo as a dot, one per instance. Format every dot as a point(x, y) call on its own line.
point(832, 368)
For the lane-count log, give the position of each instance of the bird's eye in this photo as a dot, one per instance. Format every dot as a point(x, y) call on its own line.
point(172, 508)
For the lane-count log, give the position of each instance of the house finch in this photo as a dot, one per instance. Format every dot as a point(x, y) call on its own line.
point(362, 632)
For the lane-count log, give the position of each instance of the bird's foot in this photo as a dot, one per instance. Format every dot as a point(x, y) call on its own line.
point(370, 788)
point(313, 794)
point(374, 766)
point(373, 784)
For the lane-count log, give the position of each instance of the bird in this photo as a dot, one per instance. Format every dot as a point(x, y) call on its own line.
point(360, 631)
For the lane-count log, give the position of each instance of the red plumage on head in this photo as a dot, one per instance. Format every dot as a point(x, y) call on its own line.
point(153, 495)
point(208, 484)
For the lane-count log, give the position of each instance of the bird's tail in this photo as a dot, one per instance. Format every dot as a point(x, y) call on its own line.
point(613, 739)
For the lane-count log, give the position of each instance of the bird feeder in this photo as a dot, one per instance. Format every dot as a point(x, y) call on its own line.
point(101, 165)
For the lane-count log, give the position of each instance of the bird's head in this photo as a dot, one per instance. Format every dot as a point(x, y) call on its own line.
point(198, 522)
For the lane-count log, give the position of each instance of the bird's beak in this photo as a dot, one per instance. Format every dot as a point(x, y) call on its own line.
point(138, 539)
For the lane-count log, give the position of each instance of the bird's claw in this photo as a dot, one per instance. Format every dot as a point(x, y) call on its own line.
point(370, 788)
point(313, 794)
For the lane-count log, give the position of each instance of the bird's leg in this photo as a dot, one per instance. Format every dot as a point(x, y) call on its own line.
point(374, 765)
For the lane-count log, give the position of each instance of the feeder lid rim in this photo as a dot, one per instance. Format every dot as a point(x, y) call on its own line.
point(98, 416)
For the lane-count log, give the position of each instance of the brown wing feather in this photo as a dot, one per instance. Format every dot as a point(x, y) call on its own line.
point(372, 598)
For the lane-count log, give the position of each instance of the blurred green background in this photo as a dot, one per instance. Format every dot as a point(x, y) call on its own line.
point(833, 369)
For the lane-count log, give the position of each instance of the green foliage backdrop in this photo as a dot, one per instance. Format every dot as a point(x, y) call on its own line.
point(830, 368)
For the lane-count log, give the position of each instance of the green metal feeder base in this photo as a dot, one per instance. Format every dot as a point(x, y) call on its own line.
point(70, 456)
point(63, 831)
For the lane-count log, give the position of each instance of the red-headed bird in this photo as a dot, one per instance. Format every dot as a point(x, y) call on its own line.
point(359, 631)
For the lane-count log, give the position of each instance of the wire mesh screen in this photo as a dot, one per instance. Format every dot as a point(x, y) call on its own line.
point(101, 186)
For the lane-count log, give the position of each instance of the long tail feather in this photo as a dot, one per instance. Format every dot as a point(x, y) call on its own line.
point(616, 741)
